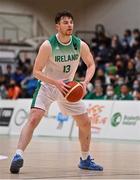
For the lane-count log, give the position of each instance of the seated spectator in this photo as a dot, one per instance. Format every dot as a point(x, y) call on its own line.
point(94, 45)
point(135, 47)
point(135, 35)
point(137, 61)
point(137, 94)
point(110, 94)
point(97, 93)
point(125, 42)
point(119, 81)
point(28, 85)
point(125, 94)
point(13, 91)
point(116, 47)
point(18, 75)
point(8, 74)
point(130, 72)
point(102, 56)
point(100, 75)
point(138, 76)
point(135, 87)
point(120, 66)
point(111, 71)
point(3, 91)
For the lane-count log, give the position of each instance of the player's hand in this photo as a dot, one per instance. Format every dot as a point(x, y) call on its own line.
point(62, 86)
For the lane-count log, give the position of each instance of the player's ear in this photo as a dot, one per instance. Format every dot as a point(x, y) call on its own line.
point(57, 26)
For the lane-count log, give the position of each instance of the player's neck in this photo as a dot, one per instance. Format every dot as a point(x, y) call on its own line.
point(63, 39)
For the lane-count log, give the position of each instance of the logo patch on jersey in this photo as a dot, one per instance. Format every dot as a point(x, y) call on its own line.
point(66, 58)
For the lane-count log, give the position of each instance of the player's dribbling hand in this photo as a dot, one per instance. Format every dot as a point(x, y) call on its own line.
point(63, 88)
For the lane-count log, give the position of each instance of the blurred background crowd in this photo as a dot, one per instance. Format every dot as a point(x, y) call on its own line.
point(117, 75)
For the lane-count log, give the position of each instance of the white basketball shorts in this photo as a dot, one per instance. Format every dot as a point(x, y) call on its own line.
point(46, 94)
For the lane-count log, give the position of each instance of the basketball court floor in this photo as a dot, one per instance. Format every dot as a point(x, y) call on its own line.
point(57, 158)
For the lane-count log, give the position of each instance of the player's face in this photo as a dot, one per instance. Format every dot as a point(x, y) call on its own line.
point(65, 26)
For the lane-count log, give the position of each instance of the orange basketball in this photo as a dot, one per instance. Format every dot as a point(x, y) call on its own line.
point(75, 92)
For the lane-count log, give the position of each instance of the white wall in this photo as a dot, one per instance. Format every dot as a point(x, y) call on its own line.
point(116, 15)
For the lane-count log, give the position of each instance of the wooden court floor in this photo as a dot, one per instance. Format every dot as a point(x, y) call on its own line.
point(57, 158)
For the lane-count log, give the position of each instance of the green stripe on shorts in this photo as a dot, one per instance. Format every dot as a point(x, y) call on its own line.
point(36, 93)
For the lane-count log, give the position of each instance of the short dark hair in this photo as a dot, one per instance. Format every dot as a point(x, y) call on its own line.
point(59, 15)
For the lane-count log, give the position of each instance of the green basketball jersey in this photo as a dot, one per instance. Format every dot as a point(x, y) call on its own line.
point(64, 59)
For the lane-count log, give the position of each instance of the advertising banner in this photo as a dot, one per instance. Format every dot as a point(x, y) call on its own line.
point(125, 120)
point(109, 119)
point(113, 119)
point(14, 114)
point(99, 113)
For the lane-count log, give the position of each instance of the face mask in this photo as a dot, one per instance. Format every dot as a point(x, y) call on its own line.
point(135, 86)
point(101, 47)
point(109, 93)
point(120, 82)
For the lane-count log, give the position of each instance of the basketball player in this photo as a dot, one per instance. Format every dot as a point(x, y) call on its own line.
point(57, 62)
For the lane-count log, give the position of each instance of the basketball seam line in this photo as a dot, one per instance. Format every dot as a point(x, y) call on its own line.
point(73, 89)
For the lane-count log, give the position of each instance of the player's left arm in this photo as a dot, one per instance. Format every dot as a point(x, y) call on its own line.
point(89, 61)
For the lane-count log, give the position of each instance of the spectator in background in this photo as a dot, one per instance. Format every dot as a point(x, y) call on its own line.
point(110, 94)
point(130, 72)
point(8, 74)
point(100, 75)
point(138, 76)
point(135, 46)
point(118, 83)
point(125, 94)
point(127, 37)
point(94, 45)
point(120, 66)
point(97, 93)
point(110, 74)
point(3, 91)
point(135, 35)
point(28, 85)
point(27, 66)
point(18, 75)
point(135, 87)
point(116, 47)
point(137, 61)
point(137, 94)
point(13, 91)
point(102, 55)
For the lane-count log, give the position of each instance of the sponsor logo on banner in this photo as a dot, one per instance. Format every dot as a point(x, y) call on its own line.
point(118, 118)
point(5, 116)
point(61, 118)
point(97, 119)
point(20, 117)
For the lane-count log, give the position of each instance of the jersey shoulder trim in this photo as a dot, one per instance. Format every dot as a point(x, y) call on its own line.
point(53, 41)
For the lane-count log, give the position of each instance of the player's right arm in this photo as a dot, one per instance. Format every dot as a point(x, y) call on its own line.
point(41, 61)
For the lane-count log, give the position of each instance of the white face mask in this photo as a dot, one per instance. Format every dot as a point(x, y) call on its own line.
point(109, 93)
point(120, 82)
point(135, 86)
